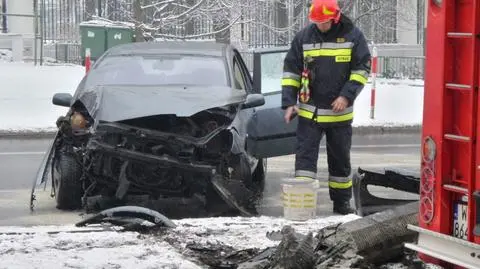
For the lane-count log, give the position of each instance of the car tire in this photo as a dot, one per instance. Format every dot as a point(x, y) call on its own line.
point(67, 173)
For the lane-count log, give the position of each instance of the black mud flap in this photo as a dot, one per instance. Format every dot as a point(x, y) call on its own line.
point(223, 189)
point(130, 216)
point(366, 203)
point(476, 231)
point(41, 176)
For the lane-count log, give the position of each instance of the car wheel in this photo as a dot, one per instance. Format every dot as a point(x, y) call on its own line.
point(67, 172)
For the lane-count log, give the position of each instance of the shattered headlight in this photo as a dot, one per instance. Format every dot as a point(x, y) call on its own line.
point(78, 123)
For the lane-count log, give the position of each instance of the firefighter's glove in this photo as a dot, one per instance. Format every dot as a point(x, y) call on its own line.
point(339, 104)
point(290, 113)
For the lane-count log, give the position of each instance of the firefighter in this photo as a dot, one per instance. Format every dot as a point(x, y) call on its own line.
point(326, 68)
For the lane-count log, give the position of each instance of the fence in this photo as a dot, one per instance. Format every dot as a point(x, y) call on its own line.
point(261, 24)
point(64, 52)
point(401, 67)
point(410, 67)
point(268, 24)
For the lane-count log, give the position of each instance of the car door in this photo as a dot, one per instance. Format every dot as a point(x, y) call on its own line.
point(268, 134)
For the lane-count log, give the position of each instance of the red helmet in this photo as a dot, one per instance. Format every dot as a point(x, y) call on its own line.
point(324, 10)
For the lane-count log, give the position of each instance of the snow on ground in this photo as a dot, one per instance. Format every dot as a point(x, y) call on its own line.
point(110, 249)
point(26, 97)
point(242, 233)
point(398, 102)
point(26, 93)
point(38, 247)
point(88, 250)
point(5, 55)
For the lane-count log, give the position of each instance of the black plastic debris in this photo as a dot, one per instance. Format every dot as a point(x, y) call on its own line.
point(130, 218)
point(368, 242)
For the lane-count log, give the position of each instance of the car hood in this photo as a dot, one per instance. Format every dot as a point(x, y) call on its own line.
point(117, 103)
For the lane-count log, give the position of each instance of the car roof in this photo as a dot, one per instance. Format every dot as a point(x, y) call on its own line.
point(207, 48)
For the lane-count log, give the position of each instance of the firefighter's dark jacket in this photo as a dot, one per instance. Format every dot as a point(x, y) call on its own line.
point(339, 65)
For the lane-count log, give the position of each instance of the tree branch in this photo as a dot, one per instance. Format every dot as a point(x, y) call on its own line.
point(200, 35)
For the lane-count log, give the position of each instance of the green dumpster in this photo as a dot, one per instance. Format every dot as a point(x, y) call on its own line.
point(100, 37)
point(93, 37)
point(117, 35)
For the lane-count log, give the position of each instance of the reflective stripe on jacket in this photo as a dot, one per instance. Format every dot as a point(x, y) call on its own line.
point(339, 64)
point(324, 115)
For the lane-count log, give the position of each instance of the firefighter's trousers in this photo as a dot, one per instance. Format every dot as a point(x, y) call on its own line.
point(338, 141)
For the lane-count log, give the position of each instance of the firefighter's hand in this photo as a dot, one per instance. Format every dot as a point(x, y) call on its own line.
point(339, 104)
point(290, 113)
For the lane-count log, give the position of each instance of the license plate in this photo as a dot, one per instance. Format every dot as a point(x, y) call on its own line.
point(460, 221)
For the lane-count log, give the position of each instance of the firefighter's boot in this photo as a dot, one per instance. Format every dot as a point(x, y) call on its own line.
point(343, 208)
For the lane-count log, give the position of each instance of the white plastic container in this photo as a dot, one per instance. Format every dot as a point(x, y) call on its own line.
point(300, 199)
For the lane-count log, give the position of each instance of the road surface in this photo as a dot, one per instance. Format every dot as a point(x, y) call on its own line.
point(20, 158)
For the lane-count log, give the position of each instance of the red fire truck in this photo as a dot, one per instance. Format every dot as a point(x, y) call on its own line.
point(449, 180)
point(449, 213)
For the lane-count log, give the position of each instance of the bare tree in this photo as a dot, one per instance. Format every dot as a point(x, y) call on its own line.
point(222, 20)
point(381, 20)
point(268, 22)
point(184, 19)
point(251, 23)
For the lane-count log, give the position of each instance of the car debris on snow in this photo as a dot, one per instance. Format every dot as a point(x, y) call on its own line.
point(262, 242)
point(370, 242)
point(192, 244)
point(375, 241)
point(131, 216)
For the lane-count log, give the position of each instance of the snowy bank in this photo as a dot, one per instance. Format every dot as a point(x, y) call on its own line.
point(26, 94)
point(398, 103)
point(26, 98)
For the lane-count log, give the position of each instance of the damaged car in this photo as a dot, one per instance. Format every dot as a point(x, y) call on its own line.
point(173, 126)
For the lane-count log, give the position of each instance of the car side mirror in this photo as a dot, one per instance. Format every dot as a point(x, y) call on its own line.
point(254, 100)
point(62, 99)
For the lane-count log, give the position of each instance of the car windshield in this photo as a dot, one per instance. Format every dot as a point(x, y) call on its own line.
point(151, 70)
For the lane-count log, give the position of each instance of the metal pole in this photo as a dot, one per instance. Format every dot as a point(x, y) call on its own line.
point(290, 18)
point(354, 11)
point(35, 25)
point(425, 19)
point(372, 21)
point(4, 17)
point(374, 80)
point(42, 17)
point(99, 6)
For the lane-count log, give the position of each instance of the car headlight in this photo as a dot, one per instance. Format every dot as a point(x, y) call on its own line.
point(78, 121)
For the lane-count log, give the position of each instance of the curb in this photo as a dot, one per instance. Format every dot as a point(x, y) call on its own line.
point(379, 130)
point(357, 130)
point(26, 134)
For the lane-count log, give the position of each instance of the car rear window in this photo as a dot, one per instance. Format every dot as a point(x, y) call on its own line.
point(159, 70)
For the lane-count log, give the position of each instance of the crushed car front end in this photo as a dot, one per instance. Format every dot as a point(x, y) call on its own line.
point(161, 161)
